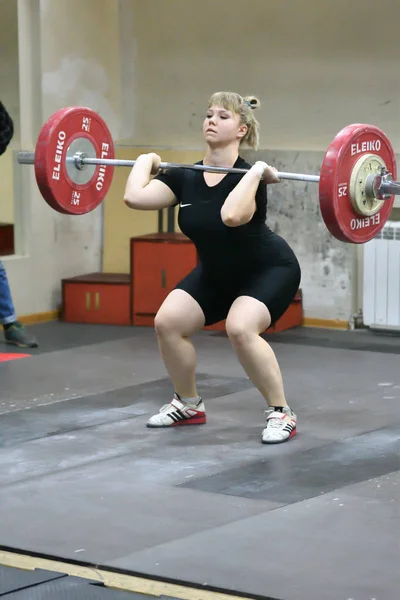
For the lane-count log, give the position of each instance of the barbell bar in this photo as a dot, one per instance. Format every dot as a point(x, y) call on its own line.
point(28, 158)
point(74, 160)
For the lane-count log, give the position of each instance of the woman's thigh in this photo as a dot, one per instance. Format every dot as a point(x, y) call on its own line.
point(275, 287)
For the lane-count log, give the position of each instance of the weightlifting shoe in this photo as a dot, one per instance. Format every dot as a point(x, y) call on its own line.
point(179, 413)
point(281, 426)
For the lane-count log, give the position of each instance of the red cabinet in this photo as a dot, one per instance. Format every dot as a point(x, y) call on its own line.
point(101, 298)
point(158, 262)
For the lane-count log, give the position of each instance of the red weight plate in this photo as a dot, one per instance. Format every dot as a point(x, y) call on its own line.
point(67, 125)
point(340, 217)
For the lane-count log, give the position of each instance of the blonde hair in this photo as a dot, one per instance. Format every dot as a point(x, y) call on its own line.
point(244, 107)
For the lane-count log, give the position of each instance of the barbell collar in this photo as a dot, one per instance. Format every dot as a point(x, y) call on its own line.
point(388, 187)
point(381, 187)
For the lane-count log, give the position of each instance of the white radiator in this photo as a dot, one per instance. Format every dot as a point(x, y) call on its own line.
point(381, 296)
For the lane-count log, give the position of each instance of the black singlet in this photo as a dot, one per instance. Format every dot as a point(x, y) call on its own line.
point(224, 251)
point(249, 260)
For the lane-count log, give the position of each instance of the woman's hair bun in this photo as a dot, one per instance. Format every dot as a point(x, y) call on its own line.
point(253, 101)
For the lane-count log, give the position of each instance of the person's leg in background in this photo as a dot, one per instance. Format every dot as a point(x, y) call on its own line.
point(14, 332)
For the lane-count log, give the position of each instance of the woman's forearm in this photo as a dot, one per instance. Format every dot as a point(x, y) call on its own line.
point(138, 178)
point(240, 205)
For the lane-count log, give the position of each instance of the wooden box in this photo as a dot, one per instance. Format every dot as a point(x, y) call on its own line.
point(158, 262)
point(97, 298)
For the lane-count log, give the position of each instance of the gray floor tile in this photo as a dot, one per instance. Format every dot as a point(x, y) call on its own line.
point(321, 548)
point(102, 408)
point(291, 478)
point(96, 515)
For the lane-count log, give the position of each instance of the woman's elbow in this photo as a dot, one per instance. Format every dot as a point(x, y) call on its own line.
point(231, 220)
point(131, 201)
point(235, 220)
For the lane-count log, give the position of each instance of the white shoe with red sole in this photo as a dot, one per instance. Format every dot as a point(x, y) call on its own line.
point(179, 413)
point(281, 426)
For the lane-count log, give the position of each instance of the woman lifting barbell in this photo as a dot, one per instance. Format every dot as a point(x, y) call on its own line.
point(247, 274)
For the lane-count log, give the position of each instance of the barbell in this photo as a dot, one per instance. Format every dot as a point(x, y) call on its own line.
point(74, 162)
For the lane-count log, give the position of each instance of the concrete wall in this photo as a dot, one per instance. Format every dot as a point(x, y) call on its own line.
point(316, 66)
point(63, 60)
point(149, 67)
point(326, 263)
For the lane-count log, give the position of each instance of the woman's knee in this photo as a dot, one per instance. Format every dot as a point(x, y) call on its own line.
point(166, 323)
point(237, 331)
point(178, 315)
point(246, 318)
